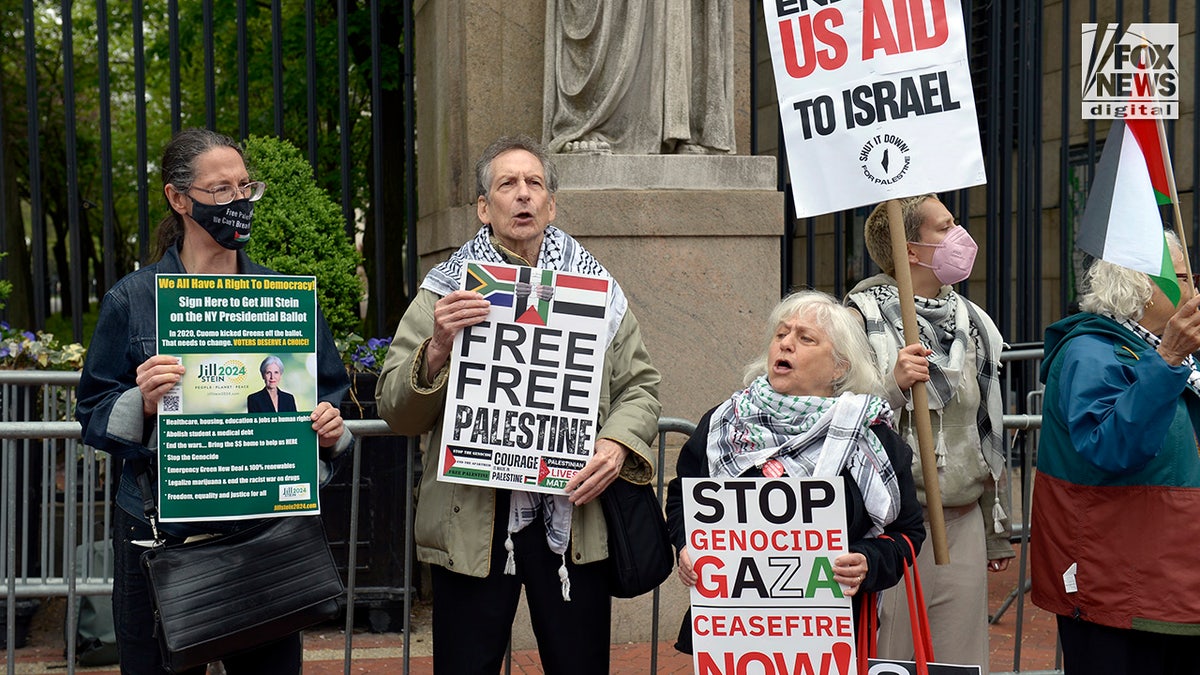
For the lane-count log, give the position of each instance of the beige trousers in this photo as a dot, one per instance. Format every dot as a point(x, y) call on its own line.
point(955, 595)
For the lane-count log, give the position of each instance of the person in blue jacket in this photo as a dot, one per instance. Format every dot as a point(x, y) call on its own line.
point(211, 197)
point(1116, 509)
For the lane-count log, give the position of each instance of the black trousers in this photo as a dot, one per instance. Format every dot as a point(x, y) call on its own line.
point(133, 616)
point(473, 617)
point(1089, 649)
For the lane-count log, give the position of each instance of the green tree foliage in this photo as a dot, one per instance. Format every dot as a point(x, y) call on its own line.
point(298, 230)
point(5, 286)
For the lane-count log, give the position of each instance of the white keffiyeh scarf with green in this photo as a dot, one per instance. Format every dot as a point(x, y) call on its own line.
point(809, 436)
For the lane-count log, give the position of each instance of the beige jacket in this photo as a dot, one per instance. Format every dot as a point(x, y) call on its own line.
point(454, 522)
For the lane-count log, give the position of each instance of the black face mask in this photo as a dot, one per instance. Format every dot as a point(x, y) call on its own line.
point(228, 224)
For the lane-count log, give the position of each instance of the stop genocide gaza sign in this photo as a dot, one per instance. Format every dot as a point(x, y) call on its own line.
point(875, 100)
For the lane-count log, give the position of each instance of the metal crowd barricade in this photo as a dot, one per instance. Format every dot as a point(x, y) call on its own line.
point(666, 425)
point(37, 429)
point(38, 435)
point(39, 438)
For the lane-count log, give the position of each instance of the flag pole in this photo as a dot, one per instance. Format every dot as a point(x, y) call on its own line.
point(920, 396)
point(1162, 141)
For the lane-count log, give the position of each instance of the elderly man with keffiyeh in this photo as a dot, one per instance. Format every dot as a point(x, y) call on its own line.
point(484, 544)
point(958, 363)
point(812, 407)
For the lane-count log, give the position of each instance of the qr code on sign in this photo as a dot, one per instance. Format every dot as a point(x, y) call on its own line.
point(170, 403)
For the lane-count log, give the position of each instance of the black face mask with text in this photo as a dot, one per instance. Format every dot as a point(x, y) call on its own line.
point(228, 224)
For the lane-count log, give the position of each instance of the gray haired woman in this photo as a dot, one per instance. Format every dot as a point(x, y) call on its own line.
point(814, 390)
point(271, 398)
point(1114, 523)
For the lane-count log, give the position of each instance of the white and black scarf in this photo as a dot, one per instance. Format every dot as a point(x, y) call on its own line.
point(559, 252)
point(808, 436)
point(948, 325)
point(562, 253)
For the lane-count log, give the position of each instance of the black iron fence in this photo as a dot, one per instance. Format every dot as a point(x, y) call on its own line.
point(91, 91)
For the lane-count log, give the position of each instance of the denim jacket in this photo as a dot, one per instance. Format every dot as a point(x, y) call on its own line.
point(109, 404)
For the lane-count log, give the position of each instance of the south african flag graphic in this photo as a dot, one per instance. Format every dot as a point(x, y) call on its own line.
point(494, 282)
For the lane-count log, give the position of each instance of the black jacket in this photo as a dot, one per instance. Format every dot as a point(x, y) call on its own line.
point(260, 402)
point(886, 558)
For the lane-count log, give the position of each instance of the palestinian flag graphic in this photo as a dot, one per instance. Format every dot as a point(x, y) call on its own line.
point(470, 463)
point(580, 295)
point(493, 282)
point(1121, 222)
point(531, 306)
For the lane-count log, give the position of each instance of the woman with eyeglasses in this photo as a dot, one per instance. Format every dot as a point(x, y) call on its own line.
point(211, 200)
point(1116, 509)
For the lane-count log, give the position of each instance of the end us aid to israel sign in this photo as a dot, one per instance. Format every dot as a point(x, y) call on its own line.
point(875, 99)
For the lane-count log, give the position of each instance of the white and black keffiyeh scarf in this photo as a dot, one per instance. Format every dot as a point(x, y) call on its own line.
point(948, 325)
point(809, 436)
point(1154, 341)
point(562, 253)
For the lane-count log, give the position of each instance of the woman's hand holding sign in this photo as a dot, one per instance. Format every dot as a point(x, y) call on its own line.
point(155, 377)
point(850, 570)
point(327, 422)
point(687, 574)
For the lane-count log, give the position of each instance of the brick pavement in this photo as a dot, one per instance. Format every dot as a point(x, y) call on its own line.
point(382, 653)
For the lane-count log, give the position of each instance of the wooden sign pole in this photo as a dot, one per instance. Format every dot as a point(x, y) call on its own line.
point(920, 397)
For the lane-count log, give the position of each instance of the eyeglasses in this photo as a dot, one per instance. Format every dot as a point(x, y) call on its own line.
point(223, 194)
point(1194, 278)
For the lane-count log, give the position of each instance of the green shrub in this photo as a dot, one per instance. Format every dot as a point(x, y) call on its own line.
point(298, 229)
point(5, 285)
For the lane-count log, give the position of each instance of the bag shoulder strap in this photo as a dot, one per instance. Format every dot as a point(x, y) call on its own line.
point(916, 604)
point(917, 613)
point(868, 634)
point(149, 504)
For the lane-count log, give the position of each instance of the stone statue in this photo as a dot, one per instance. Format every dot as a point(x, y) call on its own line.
point(639, 76)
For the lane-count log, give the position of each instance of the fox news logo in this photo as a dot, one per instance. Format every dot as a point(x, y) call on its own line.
point(1134, 74)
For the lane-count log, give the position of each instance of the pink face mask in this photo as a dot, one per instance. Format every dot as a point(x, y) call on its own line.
point(954, 257)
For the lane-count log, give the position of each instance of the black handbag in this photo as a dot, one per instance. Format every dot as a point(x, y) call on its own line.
point(219, 596)
point(639, 547)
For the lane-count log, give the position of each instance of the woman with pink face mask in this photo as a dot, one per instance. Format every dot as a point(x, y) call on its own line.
point(958, 360)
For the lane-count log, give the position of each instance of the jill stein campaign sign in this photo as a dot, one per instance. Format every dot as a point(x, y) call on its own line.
point(765, 600)
point(875, 99)
point(226, 452)
point(524, 385)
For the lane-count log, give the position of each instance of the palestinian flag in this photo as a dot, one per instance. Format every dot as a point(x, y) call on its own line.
point(1121, 222)
point(531, 308)
point(1146, 133)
